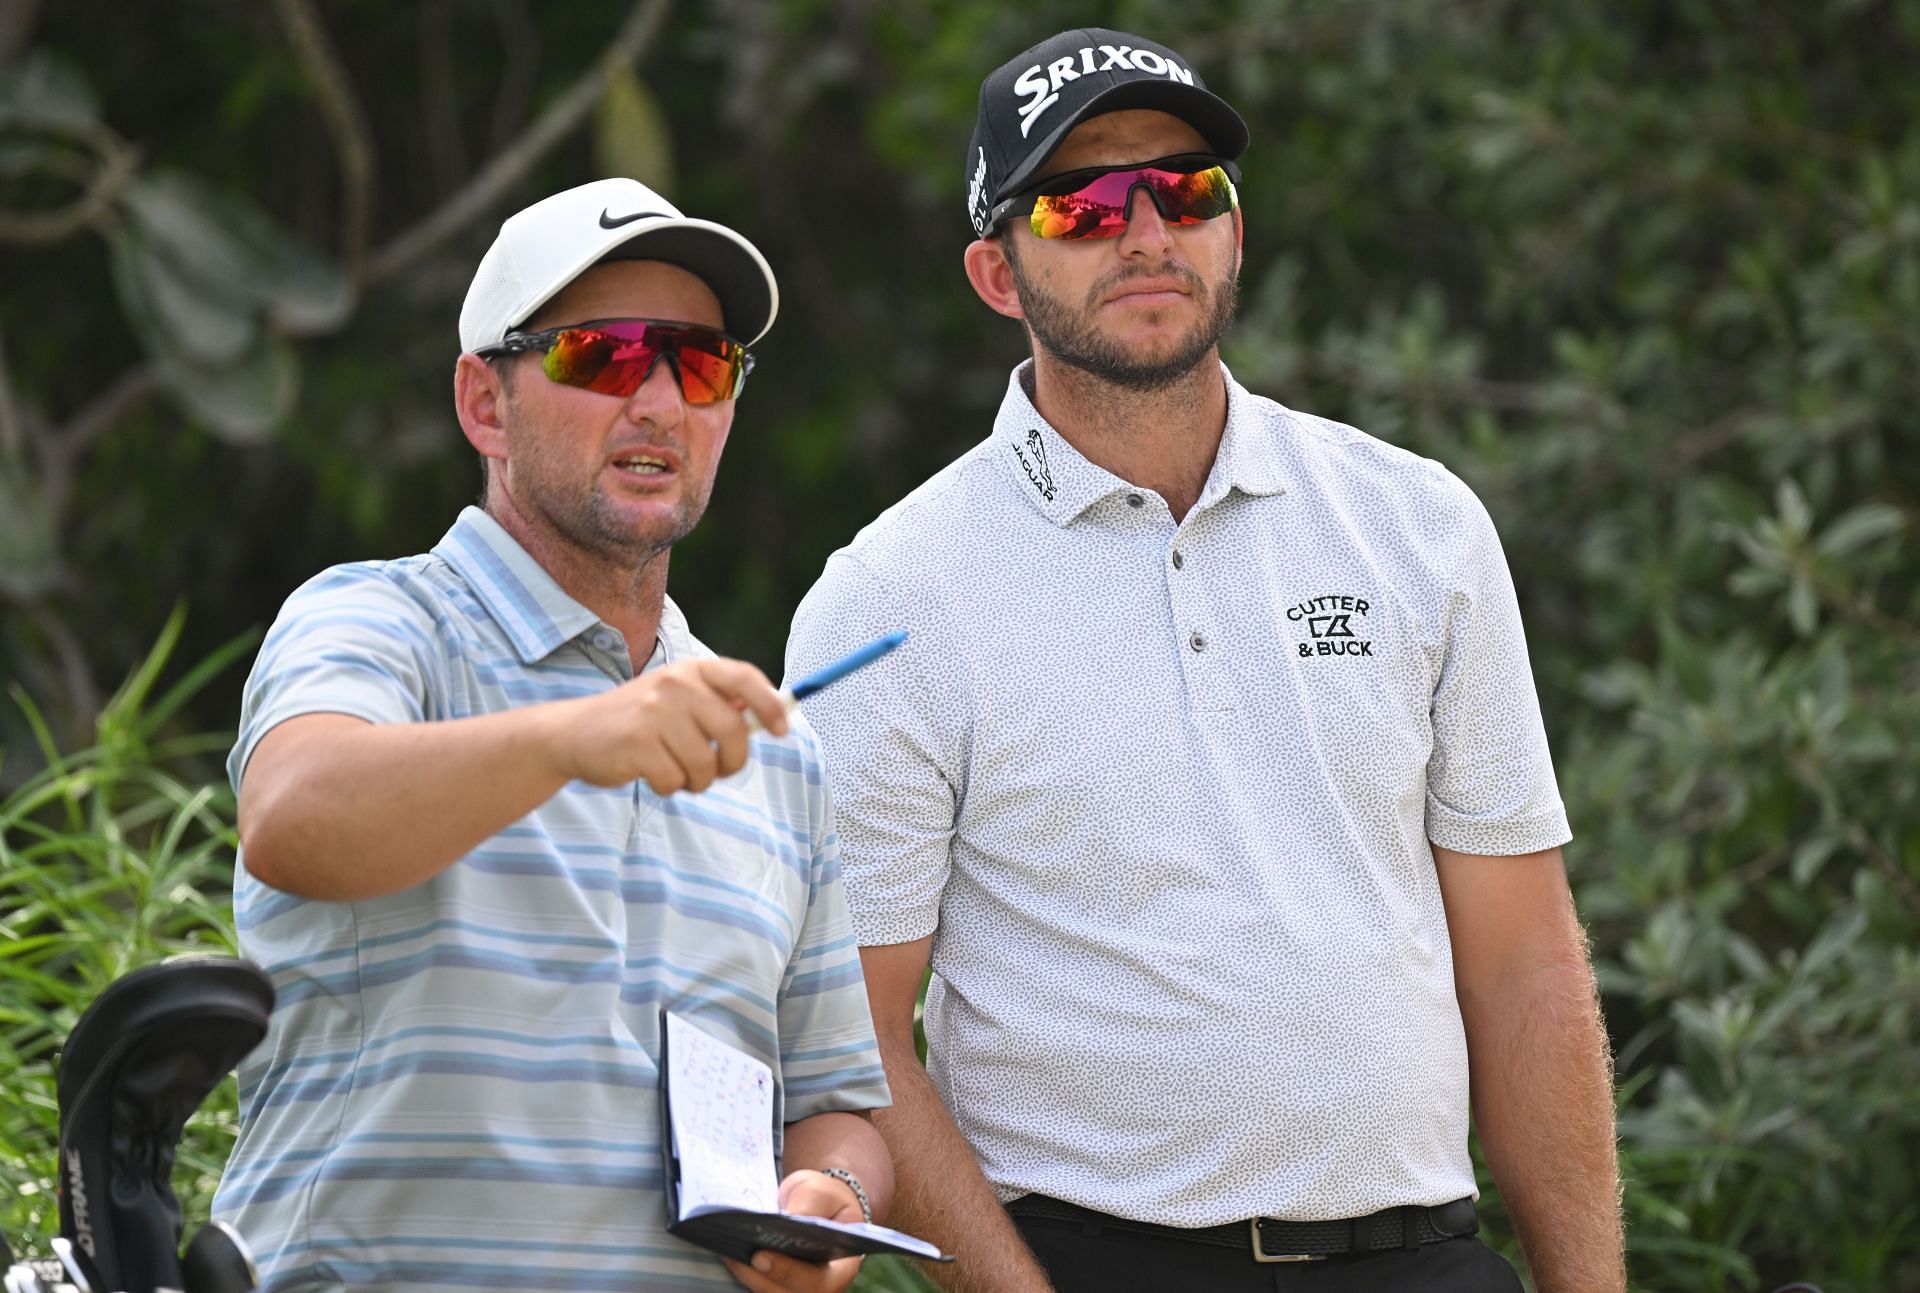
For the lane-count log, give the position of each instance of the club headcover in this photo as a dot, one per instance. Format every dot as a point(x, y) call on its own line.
point(143, 1057)
point(217, 1261)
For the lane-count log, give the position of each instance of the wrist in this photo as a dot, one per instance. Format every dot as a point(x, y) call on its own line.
point(552, 729)
point(852, 1183)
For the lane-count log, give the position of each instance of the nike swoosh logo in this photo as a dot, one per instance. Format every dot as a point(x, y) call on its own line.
point(608, 221)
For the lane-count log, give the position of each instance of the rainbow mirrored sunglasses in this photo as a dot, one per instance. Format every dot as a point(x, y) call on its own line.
point(615, 356)
point(1188, 188)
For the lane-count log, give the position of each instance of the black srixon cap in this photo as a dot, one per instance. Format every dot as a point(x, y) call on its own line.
point(1028, 105)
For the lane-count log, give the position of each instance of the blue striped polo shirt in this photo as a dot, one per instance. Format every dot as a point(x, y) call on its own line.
point(458, 1085)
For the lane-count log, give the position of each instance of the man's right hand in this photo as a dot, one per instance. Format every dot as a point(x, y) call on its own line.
point(338, 808)
point(678, 727)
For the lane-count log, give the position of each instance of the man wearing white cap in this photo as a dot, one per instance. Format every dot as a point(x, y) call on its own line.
point(498, 808)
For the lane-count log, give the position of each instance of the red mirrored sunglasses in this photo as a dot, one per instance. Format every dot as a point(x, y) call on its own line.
point(615, 356)
point(1188, 188)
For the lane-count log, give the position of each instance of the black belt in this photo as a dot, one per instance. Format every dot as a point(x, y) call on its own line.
point(1272, 1240)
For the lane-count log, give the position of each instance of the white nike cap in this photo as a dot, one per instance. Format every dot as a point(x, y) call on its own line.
point(549, 244)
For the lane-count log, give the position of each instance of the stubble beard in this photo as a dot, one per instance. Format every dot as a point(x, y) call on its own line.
point(1069, 335)
point(586, 519)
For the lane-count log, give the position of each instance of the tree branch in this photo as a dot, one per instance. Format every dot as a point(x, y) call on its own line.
point(117, 162)
point(512, 165)
point(13, 427)
point(520, 40)
point(1887, 865)
point(83, 694)
point(1464, 389)
point(439, 112)
point(63, 447)
point(16, 28)
point(346, 123)
point(133, 386)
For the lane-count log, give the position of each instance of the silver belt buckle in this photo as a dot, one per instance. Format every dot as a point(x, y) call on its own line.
point(1260, 1254)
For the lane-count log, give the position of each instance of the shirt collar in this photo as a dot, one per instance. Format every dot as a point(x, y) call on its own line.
point(529, 606)
point(1058, 480)
point(1249, 456)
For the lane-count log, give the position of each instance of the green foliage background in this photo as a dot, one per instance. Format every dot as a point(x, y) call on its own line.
point(1646, 274)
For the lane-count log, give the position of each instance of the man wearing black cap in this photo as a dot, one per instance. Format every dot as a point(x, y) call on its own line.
point(499, 808)
point(1215, 792)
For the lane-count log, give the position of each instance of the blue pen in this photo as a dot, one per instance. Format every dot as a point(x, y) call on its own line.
point(791, 696)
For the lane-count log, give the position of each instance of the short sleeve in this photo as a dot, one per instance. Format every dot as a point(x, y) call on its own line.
point(829, 1059)
point(1490, 782)
point(892, 736)
point(351, 641)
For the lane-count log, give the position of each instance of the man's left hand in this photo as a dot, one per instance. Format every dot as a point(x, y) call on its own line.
point(808, 1194)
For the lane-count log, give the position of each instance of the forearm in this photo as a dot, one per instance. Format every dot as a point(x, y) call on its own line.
point(1542, 1082)
point(940, 1194)
point(346, 809)
point(843, 1140)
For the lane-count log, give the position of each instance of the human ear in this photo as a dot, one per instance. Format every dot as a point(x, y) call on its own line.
point(992, 277)
point(479, 401)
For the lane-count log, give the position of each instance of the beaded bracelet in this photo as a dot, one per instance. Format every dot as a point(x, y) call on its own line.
point(852, 1182)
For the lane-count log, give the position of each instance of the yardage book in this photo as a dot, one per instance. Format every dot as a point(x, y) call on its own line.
point(716, 1131)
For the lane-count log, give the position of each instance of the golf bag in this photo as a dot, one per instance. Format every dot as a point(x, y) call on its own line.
point(143, 1057)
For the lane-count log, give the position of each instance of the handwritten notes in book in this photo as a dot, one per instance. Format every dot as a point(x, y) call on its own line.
point(722, 1189)
point(722, 1113)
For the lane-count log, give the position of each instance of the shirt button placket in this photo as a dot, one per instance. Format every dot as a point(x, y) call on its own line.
point(1191, 617)
point(614, 648)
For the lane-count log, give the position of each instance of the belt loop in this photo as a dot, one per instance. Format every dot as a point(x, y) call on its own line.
point(1363, 1233)
point(1410, 1228)
point(1092, 1224)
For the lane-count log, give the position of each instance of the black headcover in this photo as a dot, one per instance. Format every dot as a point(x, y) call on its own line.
point(142, 1058)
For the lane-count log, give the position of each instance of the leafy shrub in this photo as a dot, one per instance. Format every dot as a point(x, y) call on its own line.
point(1646, 275)
point(111, 858)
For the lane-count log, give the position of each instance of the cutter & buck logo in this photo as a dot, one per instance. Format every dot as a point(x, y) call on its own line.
point(1334, 624)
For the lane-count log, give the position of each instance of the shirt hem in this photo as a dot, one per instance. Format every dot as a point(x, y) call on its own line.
point(1505, 839)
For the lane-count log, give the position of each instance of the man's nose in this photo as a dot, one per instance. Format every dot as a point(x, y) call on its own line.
point(658, 398)
point(1146, 232)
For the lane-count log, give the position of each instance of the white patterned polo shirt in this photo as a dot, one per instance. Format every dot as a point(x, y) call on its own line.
point(1162, 793)
point(458, 1088)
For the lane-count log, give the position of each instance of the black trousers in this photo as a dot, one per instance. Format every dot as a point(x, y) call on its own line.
point(1123, 1261)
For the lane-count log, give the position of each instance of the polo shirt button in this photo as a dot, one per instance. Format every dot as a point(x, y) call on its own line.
point(1197, 642)
point(604, 641)
point(1179, 562)
point(1134, 500)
